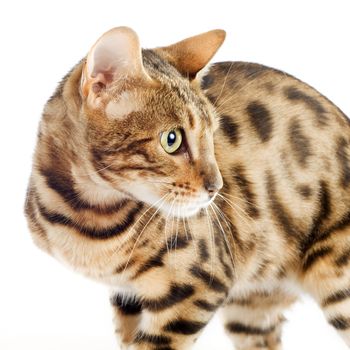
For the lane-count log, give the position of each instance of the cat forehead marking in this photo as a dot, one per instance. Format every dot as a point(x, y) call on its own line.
point(126, 103)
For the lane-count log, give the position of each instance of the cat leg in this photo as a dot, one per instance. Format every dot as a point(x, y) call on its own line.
point(173, 328)
point(171, 321)
point(127, 315)
point(325, 274)
point(255, 321)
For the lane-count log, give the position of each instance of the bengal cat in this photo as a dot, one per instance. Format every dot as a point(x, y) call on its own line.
point(190, 188)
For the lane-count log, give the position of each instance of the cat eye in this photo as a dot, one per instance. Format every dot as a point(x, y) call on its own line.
point(171, 140)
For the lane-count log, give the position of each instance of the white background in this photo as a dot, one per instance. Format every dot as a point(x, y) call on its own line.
point(43, 305)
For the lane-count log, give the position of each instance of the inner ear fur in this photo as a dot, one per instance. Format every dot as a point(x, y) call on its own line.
point(115, 58)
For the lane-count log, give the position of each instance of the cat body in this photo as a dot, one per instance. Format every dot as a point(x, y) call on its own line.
point(249, 208)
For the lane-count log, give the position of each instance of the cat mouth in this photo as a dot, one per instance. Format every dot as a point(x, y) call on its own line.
point(181, 212)
point(173, 206)
point(186, 210)
point(201, 205)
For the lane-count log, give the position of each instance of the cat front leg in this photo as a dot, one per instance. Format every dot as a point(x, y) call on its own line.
point(175, 329)
point(172, 321)
point(175, 292)
point(127, 315)
point(171, 314)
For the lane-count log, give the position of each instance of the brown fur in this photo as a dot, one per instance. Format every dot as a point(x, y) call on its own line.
point(281, 219)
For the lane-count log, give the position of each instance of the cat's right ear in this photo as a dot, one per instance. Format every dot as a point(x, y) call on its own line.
point(114, 59)
point(191, 55)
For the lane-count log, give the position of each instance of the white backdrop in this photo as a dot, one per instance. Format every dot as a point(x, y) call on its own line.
point(43, 305)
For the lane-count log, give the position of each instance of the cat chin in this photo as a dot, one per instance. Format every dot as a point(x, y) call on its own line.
point(184, 211)
point(180, 212)
point(168, 209)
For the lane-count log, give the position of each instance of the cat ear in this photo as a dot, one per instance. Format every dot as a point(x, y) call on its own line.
point(115, 57)
point(191, 55)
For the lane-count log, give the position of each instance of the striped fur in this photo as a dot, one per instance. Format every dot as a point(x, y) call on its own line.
point(101, 183)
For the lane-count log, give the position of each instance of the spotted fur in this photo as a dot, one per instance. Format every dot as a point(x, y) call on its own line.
point(101, 182)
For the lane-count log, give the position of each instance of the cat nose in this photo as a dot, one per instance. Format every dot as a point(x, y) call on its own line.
point(213, 186)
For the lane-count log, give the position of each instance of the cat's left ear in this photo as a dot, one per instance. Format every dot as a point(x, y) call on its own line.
point(191, 55)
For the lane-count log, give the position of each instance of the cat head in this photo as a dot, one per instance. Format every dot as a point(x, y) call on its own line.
point(149, 126)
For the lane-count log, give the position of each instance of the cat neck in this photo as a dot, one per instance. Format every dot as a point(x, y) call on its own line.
point(94, 190)
point(95, 212)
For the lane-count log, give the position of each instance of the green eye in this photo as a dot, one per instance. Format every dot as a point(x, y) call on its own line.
point(171, 140)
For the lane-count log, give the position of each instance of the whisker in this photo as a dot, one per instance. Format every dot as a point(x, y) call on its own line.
point(94, 172)
point(177, 233)
point(143, 229)
point(212, 244)
point(158, 182)
point(239, 211)
point(166, 226)
point(185, 228)
point(234, 96)
point(243, 200)
point(171, 232)
point(127, 236)
point(236, 207)
point(223, 216)
point(223, 84)
point(223, 233)
point(188, 221)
